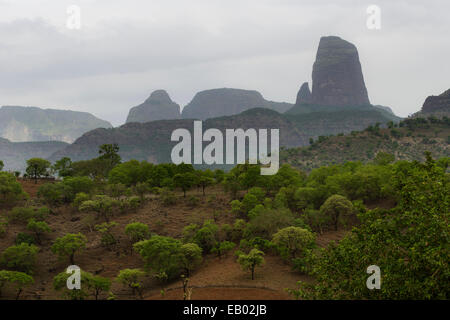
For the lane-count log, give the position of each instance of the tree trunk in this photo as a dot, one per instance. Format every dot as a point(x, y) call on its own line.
point(72, 260)
point(253, 272)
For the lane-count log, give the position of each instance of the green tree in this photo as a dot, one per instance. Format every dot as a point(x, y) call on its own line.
point(97, 284)
point(68, 245)
point(109, 154)
point(108, 238)
point(102, 205)
point(132, 278)
point(250, 261)
point(184, 181)
point(39, 228)
point(18, 279)
point(205, 178)
point(63, 167)
point(10, 190)
point(2, 165)
point(223, 247)
point(408, 242)
point(336, 207)
point(191, 257)
point(161, 255)
point(21, 257)
point(37, 168)
point(137, 231)
point(293, 241)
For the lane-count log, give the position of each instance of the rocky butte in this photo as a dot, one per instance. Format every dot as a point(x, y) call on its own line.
point(337, 78)
point(437, 104)
point(158, 106)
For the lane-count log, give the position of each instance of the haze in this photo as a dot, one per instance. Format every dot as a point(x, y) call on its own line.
point(126, 49)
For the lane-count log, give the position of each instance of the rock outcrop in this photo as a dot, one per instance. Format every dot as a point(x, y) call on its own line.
point(437, 104)
point(337, 78)
point(304, 94)
point(158, 106)
point(20, 124)
point(226, 102)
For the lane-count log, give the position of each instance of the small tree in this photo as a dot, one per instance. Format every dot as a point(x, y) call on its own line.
point(141, 189)
point(102, 205)
point(191, 257)
point(97, 284)
point(161, 255)
point(184, 181)
point(336, 207)
point(21, 257)
point(37, 167)
point(137, 231)
point(68, 245)
point(2, 165)
point(251, 261)
point(293, 241)
point(133, 279)
point(39, 228)
point(223, 247)
point(60, 284)
point(17, 279)
point(10, 190)
point(205, 178)
point(63, 167)
point(108, 238)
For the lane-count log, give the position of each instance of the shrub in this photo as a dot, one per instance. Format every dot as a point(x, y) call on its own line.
point(23, 214)
point(3, 227)
point(79, 199)
point(193, 201)
point(21, 257)
point(38, 227)
point(168, 197)
point(269, 221)
point(24, 238)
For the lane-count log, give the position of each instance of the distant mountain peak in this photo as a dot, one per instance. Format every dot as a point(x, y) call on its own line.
point(159, 106)
point(337, 75)
point(304, 94)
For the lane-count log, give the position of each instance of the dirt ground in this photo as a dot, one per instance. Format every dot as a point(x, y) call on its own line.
point(214, 279)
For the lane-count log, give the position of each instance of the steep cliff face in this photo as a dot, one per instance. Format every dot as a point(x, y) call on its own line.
point(337, 76)
point(20, 124)
point(226, 102)
point(437, 104)
point(158, 106)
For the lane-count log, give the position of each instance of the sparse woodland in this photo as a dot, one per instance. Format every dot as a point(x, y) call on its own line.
point(137, 229)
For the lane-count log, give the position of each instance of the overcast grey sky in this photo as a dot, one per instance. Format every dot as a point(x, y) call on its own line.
point(126, 49)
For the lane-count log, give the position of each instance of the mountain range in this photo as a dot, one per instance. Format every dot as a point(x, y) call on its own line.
point(338, 103)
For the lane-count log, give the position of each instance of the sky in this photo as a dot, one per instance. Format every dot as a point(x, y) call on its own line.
point(124, 50)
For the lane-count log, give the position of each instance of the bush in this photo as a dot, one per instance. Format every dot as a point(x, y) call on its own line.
point(221, 248)
point(168, 197)
point(39, 228)
point(269, 221)
point(21, 257)
point(23, 214)
point(3, 227)
point(79, 199)
point(24, 238)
